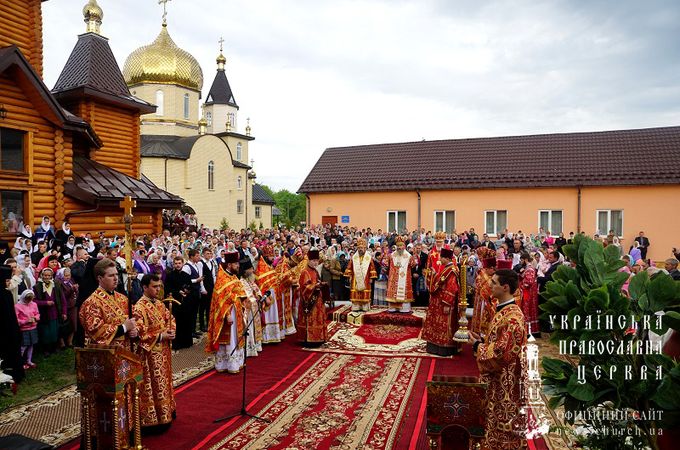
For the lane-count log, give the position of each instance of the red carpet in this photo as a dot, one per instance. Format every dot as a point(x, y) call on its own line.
point(385, 318)
point(387, 334)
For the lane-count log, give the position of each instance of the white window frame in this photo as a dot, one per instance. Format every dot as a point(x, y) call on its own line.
point(208, 118)
point(160, 100)
point(495, 221)
point(396, 220)
point(186, 107)
point(211, 175)
point(443, 212)
point(239, 206)
point(550, 214)
point(239, 151)
point(239, 183)
point(609, 221)
point(258, 212)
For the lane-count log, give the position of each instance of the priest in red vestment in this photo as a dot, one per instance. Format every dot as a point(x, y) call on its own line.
point(156, 331)
point(360, 271)
point(484, 306)
point(501, 361)
point(441, 321)
point(312, 318)
point(434, 265)
point(399, 291)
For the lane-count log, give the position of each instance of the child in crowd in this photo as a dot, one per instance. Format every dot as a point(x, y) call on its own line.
point(28, 317)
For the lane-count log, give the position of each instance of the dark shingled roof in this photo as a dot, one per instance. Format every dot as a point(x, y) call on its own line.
point(94, 182)
point(607, 158)
point(92, 66)
point(174, 147)
point(220, 92)
point(261, 196)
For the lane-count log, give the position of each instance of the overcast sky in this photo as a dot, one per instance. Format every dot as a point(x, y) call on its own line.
point(313, 74)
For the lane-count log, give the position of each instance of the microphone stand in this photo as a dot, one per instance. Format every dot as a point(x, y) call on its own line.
point(244, 336)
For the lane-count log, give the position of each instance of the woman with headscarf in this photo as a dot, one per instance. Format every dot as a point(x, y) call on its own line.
point(10, 334)
point(53, 309)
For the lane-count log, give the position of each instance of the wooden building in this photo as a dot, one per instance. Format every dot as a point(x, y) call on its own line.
point(71, 154)
point(626, 180)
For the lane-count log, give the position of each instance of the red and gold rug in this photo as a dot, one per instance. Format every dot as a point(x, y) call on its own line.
point(342, 401)
point(387, 334)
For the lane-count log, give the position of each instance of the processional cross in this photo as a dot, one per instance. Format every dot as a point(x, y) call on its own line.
point(127, 204)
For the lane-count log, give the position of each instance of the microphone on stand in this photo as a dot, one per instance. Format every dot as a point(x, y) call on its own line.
point(264, 297)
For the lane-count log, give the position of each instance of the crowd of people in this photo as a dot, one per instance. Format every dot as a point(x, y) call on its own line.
point(249, 288)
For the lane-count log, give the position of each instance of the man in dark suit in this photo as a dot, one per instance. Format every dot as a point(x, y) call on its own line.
point(209, 270)
point(554, 260)
point(644, 244)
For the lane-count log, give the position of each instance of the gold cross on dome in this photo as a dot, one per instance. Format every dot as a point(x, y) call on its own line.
point(165, 9)
point(221, 41)
point(127, 204)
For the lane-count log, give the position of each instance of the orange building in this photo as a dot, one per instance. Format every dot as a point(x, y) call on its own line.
point(71, 154)
point(627, 181)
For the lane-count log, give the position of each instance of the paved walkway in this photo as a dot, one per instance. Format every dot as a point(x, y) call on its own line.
point(55, 418)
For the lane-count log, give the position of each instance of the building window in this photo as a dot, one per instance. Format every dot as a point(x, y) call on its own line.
point(550, 220)
point(159, 102)
point(231, 120)
point(186, 106)
point(396, 221)
point(12, 204)
point(211, 176)
point(12, 149)
point(496, 222)
point(445, 221)
point(239, 183)
point(258, 212)
point(239, 151)
point(208, 118)
point(239, 206)
point(610, 219)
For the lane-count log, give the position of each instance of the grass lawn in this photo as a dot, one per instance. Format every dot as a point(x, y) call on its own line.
point(53, 373)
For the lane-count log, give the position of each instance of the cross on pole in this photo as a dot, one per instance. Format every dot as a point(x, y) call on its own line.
point(221, 41)
point(165, 10)
point(127, 204)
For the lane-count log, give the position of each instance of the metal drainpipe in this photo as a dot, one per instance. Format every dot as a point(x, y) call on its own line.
point(83, 211)
point(578, 211)
point(165, 182)
point(419, 222)
point(309, 209)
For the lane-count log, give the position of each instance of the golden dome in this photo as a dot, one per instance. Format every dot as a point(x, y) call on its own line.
point(221, 59)
point(163, 62)
point(93, 15)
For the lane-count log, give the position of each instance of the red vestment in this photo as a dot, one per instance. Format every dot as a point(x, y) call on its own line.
point(157, 397)
point(529, 286)
point(502, 364)
point(485, 304)
point(360, 272)
point(441, 321)
point(226, 298)
point(312, 319)
point(101, 315)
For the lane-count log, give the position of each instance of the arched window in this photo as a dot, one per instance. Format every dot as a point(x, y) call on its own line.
point(211, 176)
point(159, 102)
point(239, 152)
point(186, 106)
point(239, 183)
point(208, 117)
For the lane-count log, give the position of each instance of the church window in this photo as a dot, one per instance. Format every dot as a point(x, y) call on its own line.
point(239, 152)
point(159, 102)
point(239, 206)
point(211, 176)
point(208, 118)
point(550, 220)
point(396, 221)
point(12, 149)
point(609, 219)
point(496, 222)
point(258, 212)
point(186, 106)
point(239, 183)
point(12, 204)
point(445, 221)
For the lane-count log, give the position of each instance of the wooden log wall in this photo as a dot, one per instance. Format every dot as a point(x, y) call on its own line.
point(96, 222)
point(118, 129)
point(43, 141)
point(21, 25)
